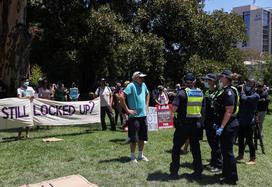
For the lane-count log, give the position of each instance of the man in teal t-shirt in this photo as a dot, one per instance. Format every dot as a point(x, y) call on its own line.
point(137, 96)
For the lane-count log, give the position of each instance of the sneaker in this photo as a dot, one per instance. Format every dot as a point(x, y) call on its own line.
point(251, 162)
point(208, 166)
point(134, 161)
point(215, 170)
point(143, 158)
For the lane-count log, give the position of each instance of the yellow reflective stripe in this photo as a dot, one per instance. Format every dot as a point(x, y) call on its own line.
point(193, 115)
point(194, 104)
point(195, 99)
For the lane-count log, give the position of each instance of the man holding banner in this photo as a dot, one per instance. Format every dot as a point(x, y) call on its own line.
point(137, 96)
point(27, 92)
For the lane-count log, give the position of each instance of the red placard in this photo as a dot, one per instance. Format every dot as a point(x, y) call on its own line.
point(165, 116)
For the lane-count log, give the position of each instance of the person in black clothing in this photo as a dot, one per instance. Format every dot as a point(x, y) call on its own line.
point(226, 107)
point(262, 105)
point(210, 82)
point(187, 126)
point(246, 117)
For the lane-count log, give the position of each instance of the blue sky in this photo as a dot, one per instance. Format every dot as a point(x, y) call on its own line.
point(227, 5)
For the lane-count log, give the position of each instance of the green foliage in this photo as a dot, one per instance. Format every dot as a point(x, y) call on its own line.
point(201, 67)
point(36, 73)
point(268, 70)
point(115, 38)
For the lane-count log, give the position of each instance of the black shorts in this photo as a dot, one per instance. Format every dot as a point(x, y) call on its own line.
point(137, 129)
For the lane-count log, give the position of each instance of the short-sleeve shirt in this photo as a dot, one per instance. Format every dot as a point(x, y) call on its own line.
point(136, 98)
point(74, 93)
point(104, 94)
point(224, 100)
point(44, 93)
point(25, 92)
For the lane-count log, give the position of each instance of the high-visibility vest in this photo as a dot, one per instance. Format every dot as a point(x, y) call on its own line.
point(194, 102)
point(237, 100)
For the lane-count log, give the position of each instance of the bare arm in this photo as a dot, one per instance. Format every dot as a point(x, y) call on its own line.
point(227, 116)
point(125, 107)
point(147, 98)
point(111, 99)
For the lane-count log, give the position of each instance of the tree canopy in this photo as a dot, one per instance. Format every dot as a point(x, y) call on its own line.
point(81, 40)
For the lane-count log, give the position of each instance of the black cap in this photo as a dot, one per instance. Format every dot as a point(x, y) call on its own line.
point(210, 76)
point(189, 77)
point(226, 73)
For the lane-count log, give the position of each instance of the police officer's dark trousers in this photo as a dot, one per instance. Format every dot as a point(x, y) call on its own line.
point(227, 140)
point(183, 132)
point(214, 143)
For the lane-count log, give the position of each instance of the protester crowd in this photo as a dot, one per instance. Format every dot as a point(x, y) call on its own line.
point(227, 108)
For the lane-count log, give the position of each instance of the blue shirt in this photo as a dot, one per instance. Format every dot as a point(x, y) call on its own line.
point(136, 98)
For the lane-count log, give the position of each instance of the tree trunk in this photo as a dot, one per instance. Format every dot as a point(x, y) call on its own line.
point(15, 41)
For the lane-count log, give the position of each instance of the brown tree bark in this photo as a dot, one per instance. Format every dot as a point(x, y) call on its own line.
point(15, 41)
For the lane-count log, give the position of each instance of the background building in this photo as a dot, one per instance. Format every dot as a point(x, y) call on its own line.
point(258, 28)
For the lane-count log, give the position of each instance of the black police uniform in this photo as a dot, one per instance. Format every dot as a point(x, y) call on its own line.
point(213, 140)
point(227, 98)
point(185, 128)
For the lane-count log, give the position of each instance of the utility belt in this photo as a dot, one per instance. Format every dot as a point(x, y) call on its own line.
point(187, 121)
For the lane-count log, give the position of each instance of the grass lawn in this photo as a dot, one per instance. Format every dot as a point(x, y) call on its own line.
point(103, 158)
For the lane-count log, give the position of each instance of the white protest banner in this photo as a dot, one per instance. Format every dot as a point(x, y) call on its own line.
point(52, 113)
point(15, 113)
point(152, 119)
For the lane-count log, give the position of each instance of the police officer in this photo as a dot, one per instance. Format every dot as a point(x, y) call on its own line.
point(246, 117)
point(188, 105)
point(226, 108)
point(210, 82)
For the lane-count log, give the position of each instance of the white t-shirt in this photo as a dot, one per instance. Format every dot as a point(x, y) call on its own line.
point(104, 94)
point(24, 92)
point(44, 93)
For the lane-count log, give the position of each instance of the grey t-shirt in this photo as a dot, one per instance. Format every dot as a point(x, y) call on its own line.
point(104, 94)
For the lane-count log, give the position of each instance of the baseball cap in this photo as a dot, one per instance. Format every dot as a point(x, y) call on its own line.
point(138, 74)
point(189, 77)
point(226, 73)
point(210, 76)
point(103, 79)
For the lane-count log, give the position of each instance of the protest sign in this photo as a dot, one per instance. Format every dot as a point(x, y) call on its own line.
point(47, 112)
point(165, 117)
point(17, 112)
point(152, 119)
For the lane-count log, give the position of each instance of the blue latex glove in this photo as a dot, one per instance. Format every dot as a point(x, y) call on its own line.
point(215, 126)
point(219, 131)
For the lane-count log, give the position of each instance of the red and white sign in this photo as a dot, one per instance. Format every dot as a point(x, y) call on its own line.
point(165, 117)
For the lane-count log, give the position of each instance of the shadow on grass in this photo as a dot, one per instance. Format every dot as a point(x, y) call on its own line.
point(123, 159)
point(14, 138)
point(164, 177)
point(158, 176)
point(120, 141)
